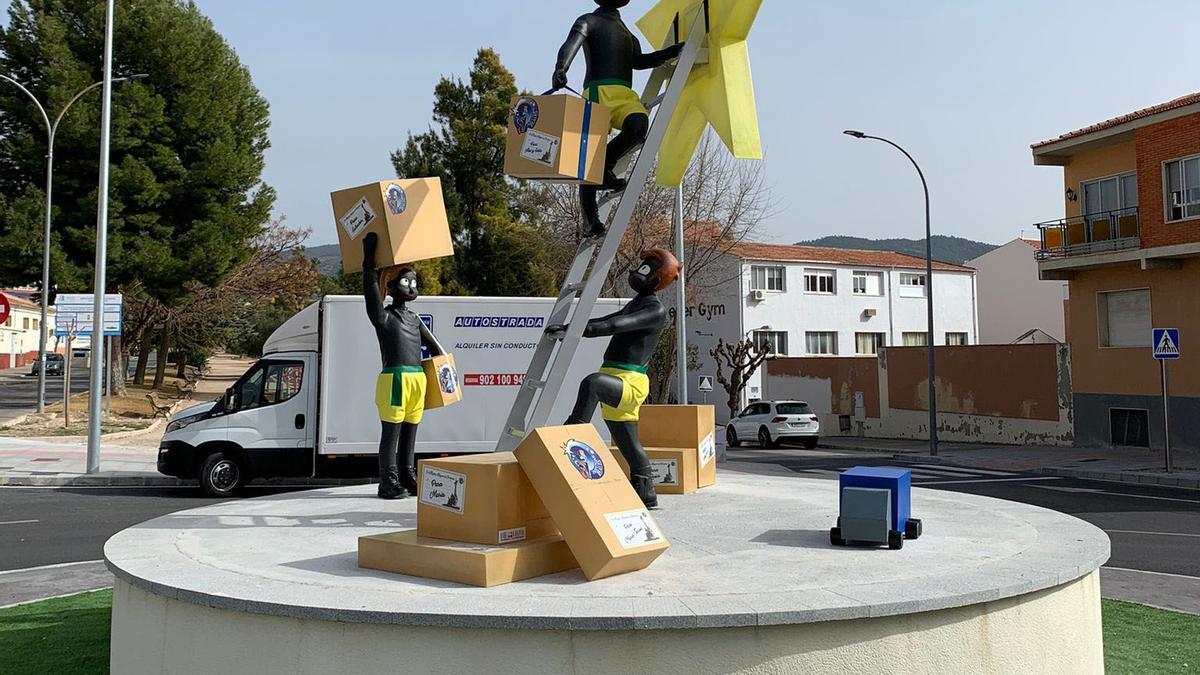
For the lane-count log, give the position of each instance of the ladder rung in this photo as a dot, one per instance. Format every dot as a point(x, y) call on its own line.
point(531, 383)
point(518, 433)
point(655, 102)
point(574, 287)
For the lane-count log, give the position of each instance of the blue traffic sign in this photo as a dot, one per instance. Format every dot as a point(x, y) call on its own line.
point(1166, 343)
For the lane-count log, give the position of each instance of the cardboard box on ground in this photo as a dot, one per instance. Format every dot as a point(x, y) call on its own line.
point(690, 427)
point(474, 564)
point(602, 519)
point(408, 215)
point(556, 138)
point(483, 499)
point(675, 469)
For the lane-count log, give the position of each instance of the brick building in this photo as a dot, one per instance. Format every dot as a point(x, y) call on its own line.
point(1129, 248)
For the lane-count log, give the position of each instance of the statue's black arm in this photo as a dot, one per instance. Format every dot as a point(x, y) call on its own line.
point(642, 319)
point(429, 341)
point(653, 59)
point(568, 50)
point(376, 312)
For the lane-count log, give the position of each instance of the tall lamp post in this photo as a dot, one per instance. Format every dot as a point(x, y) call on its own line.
point(51, 131)
point(933, 437)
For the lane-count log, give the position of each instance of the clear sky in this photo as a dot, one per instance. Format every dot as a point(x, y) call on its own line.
point(964, 85)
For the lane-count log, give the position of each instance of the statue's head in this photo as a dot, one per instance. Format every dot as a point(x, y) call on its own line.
point(659, 269)
point(612, 4)
point(402, 285)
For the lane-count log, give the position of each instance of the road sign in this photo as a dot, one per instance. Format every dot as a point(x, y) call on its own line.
point(5, 308)
point(74, 313)
point(1166, 343)
point(706, 383)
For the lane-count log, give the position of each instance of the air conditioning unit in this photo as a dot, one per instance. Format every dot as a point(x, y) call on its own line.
point(758, 296)
point(868, 313)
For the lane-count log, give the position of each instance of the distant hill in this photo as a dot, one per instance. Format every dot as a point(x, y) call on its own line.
point(955, 250)
point(328, 257)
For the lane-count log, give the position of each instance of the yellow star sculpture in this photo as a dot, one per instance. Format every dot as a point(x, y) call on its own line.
point(718, 93)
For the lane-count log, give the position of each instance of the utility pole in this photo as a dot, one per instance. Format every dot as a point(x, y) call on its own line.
point(681, 366)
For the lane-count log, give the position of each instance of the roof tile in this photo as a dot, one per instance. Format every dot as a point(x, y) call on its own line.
point(1180, 102)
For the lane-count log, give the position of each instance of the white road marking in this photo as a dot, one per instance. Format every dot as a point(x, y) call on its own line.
point(1098, 491)
point(1161, 574)
point(988, 480)
point(968, 471)
point(50, 567)
point(17, 522)
point(1163, 534)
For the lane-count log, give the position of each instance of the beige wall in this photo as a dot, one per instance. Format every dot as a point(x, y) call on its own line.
point(1106, 161)
point(1012, 299)
point(1057, 630)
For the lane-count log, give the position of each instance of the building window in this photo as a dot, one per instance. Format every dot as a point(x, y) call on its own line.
point(868, 283)
point(1123, 318)
point(1183, 188)
point(869, 343)
point(916, 339)
point(1129, 427)
point(956, 339)
point(25, 323)
point(766, 278)
point(820, 281)
point(821, 343)
point(775, 340)
point(912, 285)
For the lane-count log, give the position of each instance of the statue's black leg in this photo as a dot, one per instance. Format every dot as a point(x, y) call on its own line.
point(389, 472)
point(593, 226)
point(595, 389)
point(633, 133)
point(625, 435)
point(408, 465)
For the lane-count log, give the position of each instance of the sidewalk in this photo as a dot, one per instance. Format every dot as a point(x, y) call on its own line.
point(1122, 465)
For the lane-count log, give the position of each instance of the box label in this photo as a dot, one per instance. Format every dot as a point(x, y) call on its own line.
point(708, 450)
point(525, 115)
point(443, 489)
point(357, 218)
point(447, 378)
point(666, 471)
point(509, 536)
point(541, 148)
point(585, 459)
point(397, 201)
point(634, 529)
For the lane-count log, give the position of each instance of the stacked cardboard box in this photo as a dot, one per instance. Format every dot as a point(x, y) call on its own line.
point(675, 469)
point(684, 427)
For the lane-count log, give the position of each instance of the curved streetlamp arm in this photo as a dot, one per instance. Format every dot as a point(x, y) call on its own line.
point(45, 117)
point(910, 158)
point(85, 90)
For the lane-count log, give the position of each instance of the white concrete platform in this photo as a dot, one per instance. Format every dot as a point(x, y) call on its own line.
point(750, 584)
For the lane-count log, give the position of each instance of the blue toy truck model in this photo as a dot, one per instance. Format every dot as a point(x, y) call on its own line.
point(875, 507)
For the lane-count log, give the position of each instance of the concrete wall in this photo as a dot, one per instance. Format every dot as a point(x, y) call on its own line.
point(1014, 394)
point(1057, 630)
point(1012, 299)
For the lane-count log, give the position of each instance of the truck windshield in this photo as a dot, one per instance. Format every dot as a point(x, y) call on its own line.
point(269, 383)
point(793, 409)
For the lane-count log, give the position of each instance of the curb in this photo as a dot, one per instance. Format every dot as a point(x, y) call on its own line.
point(1127, 477)
point(151, 480)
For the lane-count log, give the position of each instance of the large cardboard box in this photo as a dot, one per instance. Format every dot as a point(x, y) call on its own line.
point(408, 215)
point(683, 426)
point(604, 522)
point(483, 499)
point(556, 138)
point(474, 564)
point(674, 469)
point(442, 387)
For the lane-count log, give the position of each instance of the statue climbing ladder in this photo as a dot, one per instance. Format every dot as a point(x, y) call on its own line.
point(551, 360)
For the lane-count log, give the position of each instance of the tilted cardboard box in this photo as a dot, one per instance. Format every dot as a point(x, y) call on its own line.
point(408, 215)
point(674, 469)
point(556, 138)
point(473, 564)
point(442, 387)
point(604, 522)
point(683, 426)
point(483, 499)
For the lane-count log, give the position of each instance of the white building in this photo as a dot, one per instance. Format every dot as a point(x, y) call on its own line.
point(1014, 304)
point(19, 333)
point(825, 302)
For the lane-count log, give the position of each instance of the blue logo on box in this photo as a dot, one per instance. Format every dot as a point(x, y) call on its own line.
point(525, 115)
point(585, 459)
point(397, 201)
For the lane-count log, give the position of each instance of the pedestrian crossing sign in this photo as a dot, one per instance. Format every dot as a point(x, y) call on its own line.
point(1166, 343)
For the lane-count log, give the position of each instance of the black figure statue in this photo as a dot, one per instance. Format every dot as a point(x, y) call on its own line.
point(400, 388)
point(622, 385)
point(612, 53)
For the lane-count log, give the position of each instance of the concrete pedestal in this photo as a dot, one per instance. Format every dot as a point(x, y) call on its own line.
point(750, 584)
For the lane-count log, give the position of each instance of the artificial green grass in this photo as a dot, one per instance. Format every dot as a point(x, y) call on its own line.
point(63, 635)
point(70, 635)
point(1140, 639)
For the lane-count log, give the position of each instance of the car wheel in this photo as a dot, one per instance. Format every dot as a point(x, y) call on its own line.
point(731, 438)
point(810, 443)
point(222, 475)
point(764, 438)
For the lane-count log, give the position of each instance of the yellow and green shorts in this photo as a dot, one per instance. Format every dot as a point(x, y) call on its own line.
point(618, 96)
point(635, 391)
point(400, 394)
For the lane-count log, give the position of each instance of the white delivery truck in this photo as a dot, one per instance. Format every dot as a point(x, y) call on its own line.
point(307, 408)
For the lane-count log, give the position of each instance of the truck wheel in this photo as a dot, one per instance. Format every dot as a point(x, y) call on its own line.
point(222, 475)
point(895, 540)
point(731, 437)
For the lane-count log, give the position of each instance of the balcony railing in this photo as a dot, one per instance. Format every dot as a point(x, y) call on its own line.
point(1103, 232)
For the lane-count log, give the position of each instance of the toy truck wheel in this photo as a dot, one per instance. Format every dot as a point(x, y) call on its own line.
point(835, 536)
point(912, 528)
point(895, 540)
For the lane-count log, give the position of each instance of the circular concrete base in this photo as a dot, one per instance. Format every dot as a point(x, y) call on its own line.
point(750, 584)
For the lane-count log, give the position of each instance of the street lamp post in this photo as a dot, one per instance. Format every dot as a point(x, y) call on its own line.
point(51, 132)
point(933, 436)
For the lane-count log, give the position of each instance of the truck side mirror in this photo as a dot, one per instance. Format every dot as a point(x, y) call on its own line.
point(227, 403)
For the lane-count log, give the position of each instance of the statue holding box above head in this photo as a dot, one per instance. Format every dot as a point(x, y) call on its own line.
point(621, 385)
point(401, 386)
point(612, 53)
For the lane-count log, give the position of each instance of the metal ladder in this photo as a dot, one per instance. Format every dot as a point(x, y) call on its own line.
point(587, 274)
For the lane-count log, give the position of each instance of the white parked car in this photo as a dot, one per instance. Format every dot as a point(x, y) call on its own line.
point(770, 422)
